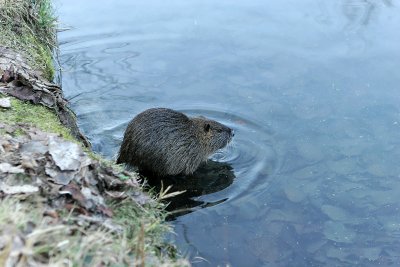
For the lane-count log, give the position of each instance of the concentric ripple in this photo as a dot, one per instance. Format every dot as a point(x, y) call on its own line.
point(250, 153)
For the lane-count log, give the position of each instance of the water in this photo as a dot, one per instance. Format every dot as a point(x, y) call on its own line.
point(312, 90)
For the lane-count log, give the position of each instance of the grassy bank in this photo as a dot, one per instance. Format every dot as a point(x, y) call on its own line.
point(30, 28)
point(37, 230)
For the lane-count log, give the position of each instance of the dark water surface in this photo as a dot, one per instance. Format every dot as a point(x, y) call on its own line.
point(312, 89)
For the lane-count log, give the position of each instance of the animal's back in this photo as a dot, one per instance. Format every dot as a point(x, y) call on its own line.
point(167, 142)
point(158, 140)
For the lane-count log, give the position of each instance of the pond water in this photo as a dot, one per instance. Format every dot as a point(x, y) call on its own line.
point(312, 90)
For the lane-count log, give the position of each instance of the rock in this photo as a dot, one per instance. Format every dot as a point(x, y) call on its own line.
point(338, 232)
point(335, 213)
point(344, 167)
point(337, 253)
point(372, 254)
point(378, 170)
point(309, 150)
point(294, 194)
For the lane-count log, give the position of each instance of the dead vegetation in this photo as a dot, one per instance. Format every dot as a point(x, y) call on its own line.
point(18, 79)
point(30, 28)
point(58, 205)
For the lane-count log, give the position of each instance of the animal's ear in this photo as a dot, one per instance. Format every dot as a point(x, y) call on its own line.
point(206, 127)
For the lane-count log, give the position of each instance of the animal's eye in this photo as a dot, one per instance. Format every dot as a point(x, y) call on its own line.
point(207, 127)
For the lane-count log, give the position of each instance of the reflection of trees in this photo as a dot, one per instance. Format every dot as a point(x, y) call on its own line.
point(211, 177)
point(361, 11)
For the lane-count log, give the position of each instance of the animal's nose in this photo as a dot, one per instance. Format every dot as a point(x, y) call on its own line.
point(232, 132)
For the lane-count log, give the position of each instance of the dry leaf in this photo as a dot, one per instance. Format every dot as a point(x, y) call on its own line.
point(5, 102)
point(66, 155)
point(8, 168)
point(18, 189)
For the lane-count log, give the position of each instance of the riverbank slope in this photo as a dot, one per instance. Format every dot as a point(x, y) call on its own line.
point(61, 204)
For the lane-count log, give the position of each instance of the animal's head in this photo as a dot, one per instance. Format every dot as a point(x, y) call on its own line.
point(215, 134)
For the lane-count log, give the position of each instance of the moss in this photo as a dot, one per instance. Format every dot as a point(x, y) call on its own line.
point(35, 115)
point(28, 26)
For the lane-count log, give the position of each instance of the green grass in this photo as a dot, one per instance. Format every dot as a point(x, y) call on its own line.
point(144, 229)
point(34, 115)
point(29, 27)
point(57, 242)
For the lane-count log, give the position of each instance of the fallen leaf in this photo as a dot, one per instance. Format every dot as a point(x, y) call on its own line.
point(78, 209)
point(75, 192)
point(28, 162)
point(38, 147)
point(8, 168)
point(51, 213)
point(66, 155)
point(106, 211)
point(60, 177)
point(18, 189)
point(90, 194)
point(116, 194)
point(38, 135)
point(5, 102)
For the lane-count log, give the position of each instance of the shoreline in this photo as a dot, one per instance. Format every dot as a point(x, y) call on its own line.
point(49, 177)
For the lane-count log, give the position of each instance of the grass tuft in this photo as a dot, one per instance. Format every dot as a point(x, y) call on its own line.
point(29, 26)
point(145, 228)
point(43, 240)
point(57, 243)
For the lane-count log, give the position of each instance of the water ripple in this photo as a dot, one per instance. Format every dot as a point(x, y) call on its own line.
point(251, 152)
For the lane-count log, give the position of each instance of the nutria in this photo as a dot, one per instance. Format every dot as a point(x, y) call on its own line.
point(166, 142)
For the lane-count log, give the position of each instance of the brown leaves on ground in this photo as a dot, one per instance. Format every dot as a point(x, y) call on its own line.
point(21, 81)
point(40, 163)
point(31, 237)
point(53, 206)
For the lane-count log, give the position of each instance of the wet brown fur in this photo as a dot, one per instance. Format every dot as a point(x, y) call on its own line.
point(167, 142)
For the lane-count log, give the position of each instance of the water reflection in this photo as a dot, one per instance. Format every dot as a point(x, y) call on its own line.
point(361, 11)
point(211, 177)
point(311, 89)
